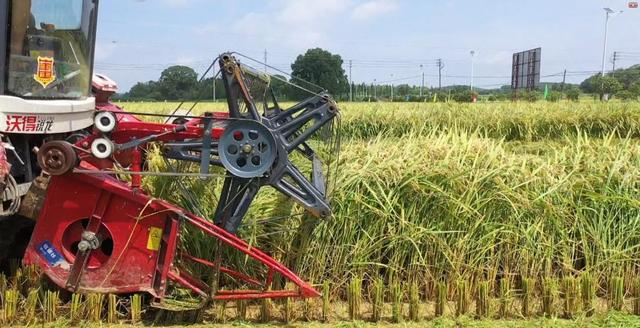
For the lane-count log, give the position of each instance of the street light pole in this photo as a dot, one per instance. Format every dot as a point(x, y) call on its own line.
point(609, 13)
point(422, 85)
point(350, 81)
point(473, 53)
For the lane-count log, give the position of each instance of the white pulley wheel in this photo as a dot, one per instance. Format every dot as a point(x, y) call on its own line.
point(105, 122)
point(102, 148)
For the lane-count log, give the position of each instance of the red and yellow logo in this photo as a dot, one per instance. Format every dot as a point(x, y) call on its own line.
point(45, 74)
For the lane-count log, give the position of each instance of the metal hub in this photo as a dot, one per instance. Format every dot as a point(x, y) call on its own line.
point(57, 157)
point(247, 149)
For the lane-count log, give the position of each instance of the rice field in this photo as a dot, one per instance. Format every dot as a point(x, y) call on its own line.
point(441, 211)
point(492, 195)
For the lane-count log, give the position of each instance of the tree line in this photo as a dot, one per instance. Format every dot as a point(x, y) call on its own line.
point(318, 67)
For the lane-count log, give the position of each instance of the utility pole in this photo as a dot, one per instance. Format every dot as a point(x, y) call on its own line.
point(615, 57)
point(350, 81)
point(391, 87)
point(422, 85)
point(375, 89)
point(214, 86)
point(440, 67)
point(355, 92)
point(265, 61)
point(564, 80)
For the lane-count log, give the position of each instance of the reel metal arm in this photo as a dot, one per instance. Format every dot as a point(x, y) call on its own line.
point(237, 195)
point(292, 125)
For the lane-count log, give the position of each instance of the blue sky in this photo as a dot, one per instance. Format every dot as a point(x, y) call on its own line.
point(139, 38)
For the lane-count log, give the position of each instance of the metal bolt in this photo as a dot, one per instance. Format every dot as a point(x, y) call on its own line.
point(247, 149)
point(83, 246)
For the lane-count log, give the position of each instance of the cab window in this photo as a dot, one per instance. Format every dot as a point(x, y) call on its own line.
point(51, 48)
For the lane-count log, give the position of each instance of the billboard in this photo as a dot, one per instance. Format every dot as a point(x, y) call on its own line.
point(525, 73)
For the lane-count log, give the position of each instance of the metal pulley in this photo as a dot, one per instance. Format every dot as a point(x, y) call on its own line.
point(247, 149)
point(57, 157)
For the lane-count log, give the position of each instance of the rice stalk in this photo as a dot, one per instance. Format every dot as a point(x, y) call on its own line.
point(377, 299)
point(326, 301)
point(616, 293)
point(221, 312)
point(95, 306)
point(570, 291)
point(287, 310)
point(414, 301)
point(354, 298)
point(51, 303)
point(528, 295)
point(266, 307)
point(136, 308)
point(112, 309)
point(241, 310)
point(441, 298)
point(636, 296)
point(30, 307)
point(504, 297)
point(482, 301)
point(549, 291)
point(10, 305)
point(462, 303)
point(397, 300)
point(288, 306)
point(587, 293)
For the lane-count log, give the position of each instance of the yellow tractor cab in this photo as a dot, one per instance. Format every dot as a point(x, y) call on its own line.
point(46, 60)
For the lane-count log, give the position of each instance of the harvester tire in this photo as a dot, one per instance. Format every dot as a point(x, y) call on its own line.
point(15, 233)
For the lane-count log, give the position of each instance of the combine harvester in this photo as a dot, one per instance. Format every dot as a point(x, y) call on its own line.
point(72, 165)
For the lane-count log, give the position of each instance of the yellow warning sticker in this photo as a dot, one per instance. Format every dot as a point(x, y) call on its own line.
point(155, 236)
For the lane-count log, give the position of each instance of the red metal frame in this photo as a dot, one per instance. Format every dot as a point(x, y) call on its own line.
point(129, 217)
point(139, 233)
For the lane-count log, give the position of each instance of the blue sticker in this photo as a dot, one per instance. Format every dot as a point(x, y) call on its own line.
point(50, 253)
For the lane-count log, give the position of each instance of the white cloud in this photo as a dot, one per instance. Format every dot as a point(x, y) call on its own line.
point(207, 29)
point(105, 49)
point(177, 3)
point(495, 57)
point(372, 9)
point(296, 24)
point(185, 60)
point(311, 12)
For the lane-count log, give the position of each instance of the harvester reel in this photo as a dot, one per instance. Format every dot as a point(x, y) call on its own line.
point(99, 233)
point(57, 157)
point(247, 149)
